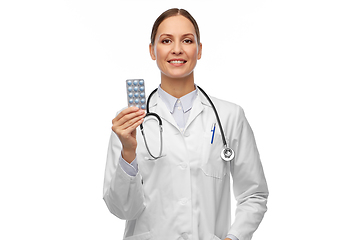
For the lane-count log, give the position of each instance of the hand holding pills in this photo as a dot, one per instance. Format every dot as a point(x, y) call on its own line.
point(124, 125)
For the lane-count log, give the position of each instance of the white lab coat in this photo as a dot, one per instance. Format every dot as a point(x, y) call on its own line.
point(186, 193)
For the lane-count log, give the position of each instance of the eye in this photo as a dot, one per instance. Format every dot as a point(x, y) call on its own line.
point(166, 41)
point(188, 41)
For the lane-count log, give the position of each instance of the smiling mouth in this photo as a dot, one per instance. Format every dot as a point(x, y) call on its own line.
point(177, 62)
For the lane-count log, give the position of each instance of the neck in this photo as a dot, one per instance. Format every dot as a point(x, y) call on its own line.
point(178, 87)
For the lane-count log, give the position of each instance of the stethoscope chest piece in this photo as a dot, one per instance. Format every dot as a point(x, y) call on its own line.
point(227, 154)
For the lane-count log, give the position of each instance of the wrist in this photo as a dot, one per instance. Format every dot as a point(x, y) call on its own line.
point(128, 154)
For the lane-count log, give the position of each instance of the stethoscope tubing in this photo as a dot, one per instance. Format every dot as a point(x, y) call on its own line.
point(227, 153)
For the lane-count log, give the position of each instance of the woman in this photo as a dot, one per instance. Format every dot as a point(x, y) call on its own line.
point(185, 194)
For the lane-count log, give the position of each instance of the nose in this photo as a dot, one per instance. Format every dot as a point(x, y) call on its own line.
point(177, 48)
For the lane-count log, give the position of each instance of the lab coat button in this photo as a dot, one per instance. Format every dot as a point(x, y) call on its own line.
point(183, 201)
point(183, 165)
point(185, 236)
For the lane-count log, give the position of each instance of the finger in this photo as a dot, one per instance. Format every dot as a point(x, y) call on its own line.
point(130, 123)
point(130, 118)
point(120, 126)
point(124, 117)
point(125, 112)
point(135, 125)
point(131, 128)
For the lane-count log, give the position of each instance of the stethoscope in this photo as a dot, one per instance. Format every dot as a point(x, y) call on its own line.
point(227, 154)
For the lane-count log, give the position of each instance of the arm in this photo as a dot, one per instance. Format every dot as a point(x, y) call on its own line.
point(123, 194)
point(249, 184)
point(130, 168)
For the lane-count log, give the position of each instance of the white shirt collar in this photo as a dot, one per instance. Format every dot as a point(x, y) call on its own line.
point(170, 101)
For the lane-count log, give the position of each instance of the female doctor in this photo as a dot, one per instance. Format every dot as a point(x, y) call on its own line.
point(184, 194)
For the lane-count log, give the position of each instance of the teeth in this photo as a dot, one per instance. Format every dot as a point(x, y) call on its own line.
point(177, 61)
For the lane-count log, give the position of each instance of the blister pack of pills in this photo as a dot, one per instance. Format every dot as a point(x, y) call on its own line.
point(135, 89)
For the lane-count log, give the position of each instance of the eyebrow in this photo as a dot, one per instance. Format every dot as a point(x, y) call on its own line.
point(170, 35)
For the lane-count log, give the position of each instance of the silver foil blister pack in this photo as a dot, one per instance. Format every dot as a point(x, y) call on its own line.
point(135, 89)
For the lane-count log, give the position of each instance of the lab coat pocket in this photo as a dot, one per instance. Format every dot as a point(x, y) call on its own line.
point(212, 164)
point(142, 236)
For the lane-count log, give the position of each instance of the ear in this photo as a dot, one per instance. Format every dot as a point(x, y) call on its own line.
point(199, 51)
point(152, 52)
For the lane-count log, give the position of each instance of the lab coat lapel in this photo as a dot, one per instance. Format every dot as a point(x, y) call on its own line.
point(161, 109)
point(196, 109)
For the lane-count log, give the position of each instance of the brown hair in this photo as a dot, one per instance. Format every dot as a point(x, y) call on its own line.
point(171, 13)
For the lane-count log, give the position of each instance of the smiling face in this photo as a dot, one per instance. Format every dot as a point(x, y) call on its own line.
point(176, 49)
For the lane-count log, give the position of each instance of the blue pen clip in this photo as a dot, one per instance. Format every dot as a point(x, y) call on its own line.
point(213, 132)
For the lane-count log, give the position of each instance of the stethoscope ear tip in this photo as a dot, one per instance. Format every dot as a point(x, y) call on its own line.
point(227, 154)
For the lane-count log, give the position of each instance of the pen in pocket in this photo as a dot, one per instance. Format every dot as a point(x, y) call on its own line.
point(213, 132)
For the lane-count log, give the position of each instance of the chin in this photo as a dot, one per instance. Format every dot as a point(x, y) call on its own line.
point(179, 76)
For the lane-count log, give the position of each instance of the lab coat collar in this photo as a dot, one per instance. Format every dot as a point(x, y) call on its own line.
point(203, 99)
point(158, 106)
point(168, 99)
point(199, 104)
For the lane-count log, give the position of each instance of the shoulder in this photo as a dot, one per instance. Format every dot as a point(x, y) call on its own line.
point(228, 108)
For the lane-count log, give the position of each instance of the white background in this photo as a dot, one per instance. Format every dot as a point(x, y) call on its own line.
point(292, 65)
